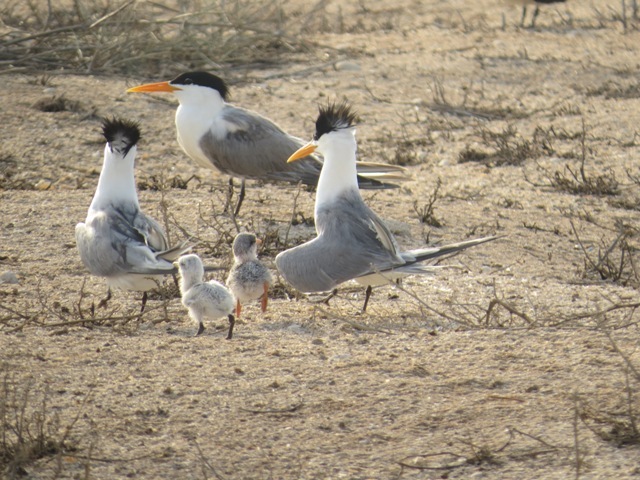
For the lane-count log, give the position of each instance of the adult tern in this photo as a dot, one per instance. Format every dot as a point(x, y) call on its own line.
point(352, 242)
point(117, 241)
point(242, 143)
point(248, 278)
point(204, 300)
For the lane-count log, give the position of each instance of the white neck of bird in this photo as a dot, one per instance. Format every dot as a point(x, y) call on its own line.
point(189, 280)
point(247, 256)
point(339, 172)
point(117, 182)
point(197, 114)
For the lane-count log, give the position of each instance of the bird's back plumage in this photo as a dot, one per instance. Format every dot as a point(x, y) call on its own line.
point(352, 242)
point(242, 143)
point(208, 300)
point(349, 244)
point(246, 280)
point(254, 147)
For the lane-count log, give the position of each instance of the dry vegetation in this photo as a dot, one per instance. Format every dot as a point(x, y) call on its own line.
point(145, 37)
point(518, 359)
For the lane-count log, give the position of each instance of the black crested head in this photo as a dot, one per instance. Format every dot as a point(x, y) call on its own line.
point(121, 134)
point(203, 79)
point(334, 117)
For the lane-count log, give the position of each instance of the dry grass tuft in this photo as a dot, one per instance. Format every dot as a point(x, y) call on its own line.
point(91, 36)
point(518, 446)
point(466, 108)
point(617, 426)
point(157, 183)
point(29, 430)
point(613, 90)
point(10, 174)
point(613, 261)
point(616, 423)
point(576, 180)
point(508, 147)
point(405, 153)
point(57, 104)
point(426, 212)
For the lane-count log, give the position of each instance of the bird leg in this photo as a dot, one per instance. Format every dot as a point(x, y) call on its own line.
point(238, 308)
point(265, 297)
point(200, 329)
point(326, 299)
point(240, 198)
point(524, 15)
point(232, 322)
point(227, 204)
point(103, 302)
point(367, 294)
point(536, 11)
point(144, 302)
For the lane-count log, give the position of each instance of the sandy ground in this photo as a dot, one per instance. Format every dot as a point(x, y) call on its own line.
point(510, 363)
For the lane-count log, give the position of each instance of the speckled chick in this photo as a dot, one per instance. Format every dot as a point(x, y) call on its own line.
point(248, 279)
point(210, 300)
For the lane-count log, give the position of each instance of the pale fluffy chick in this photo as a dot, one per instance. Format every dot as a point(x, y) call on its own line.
point(248, 279)
point(210, 300)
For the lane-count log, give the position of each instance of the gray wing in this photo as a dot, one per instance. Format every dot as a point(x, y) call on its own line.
point(156, 239)
point(150, 231)
point(352, 241)
point(257, 148)
point(121, 240)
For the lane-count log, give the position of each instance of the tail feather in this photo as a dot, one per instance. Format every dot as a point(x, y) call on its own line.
point(366, 183)
point(380, 175)
point(372, 168)
point(422, 254)
point(174, 252)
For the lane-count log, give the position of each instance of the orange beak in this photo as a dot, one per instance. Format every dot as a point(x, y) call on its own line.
point(154, 87)
point(302, 152)
point(258, 241)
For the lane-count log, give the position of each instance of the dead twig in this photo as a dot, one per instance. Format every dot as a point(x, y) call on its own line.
point(509, 308)
point(450, 461)
point(293, 215)
point(291, 409)
point(351, 323)
point(624, 356)
point(206, 462)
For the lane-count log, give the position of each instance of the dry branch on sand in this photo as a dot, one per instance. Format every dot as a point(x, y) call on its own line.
point(143, 37)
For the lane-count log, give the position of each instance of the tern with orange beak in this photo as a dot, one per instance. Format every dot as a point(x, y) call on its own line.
point(242, 143)
point(352, 242)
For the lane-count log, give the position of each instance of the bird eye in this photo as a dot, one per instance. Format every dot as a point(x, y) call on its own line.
point(188, 81)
